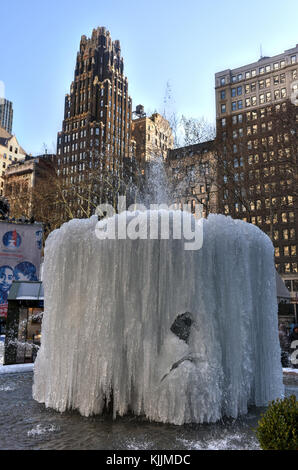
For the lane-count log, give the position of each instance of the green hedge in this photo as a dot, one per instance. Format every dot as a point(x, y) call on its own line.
point(278, 427)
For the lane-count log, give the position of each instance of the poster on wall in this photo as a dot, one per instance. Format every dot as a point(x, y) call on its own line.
point(20, 255)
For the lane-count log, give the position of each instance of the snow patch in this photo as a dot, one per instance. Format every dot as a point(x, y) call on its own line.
point(289, 370)
point(16, 368)
point(6, 388)
point(40, 430)
point(228, 442)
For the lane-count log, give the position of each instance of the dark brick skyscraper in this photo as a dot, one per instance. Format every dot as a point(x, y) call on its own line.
point(97, 119)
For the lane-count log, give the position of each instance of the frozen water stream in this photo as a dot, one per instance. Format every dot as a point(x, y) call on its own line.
point(148, 327)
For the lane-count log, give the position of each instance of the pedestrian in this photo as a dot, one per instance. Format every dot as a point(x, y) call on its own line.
point(294, 346)
point(284, 345)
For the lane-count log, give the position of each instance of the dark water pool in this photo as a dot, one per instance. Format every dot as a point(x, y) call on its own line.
point(26, 424)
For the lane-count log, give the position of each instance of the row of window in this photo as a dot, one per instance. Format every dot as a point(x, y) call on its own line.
point(253, 101)
point(271, 188)
point(285, 217)
point(261, 70)
point(289, 250)
point(250, 130)
point(254, 115)
point(287, 268)
point(96, 142)
point(81, 177)
point(281, 155)
point(285, 234)
point(252, 87)
point(10, 158)
point(74, 125)
point(255, 160)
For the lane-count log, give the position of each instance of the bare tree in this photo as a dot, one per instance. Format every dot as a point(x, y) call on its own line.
point(258, 168)
point(64, 197)
point(196, 131)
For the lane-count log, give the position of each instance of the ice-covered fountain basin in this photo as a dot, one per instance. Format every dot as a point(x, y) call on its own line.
point(176, 335)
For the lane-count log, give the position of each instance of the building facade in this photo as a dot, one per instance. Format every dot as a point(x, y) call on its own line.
point(10, 152)
point(152, 136)
point(192, 173)
point(96, 131)
point(22, 178)
point(6, 114)
point(256, 111)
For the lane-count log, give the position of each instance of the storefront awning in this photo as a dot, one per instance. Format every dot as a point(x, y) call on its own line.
point(281, 290)
point(26, 290)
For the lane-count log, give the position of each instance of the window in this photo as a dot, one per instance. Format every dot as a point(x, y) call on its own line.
point(223, 108)
point(239, 90)
point(283, 92)
point(293, 59)
point(222, 81)
point(286, 251)
point(223, 95)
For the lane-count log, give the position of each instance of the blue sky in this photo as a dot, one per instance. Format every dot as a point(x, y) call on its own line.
point(184, 42)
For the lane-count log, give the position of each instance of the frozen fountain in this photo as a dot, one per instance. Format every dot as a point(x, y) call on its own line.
point(149, 327)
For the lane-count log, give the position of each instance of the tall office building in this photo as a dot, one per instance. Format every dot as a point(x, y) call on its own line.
point(6, 114)
point(96, 129)
point(257, 113)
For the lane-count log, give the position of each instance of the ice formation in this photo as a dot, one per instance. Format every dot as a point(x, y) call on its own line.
point(148, 327)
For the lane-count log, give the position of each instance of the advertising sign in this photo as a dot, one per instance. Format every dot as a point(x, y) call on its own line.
point(20, 250)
